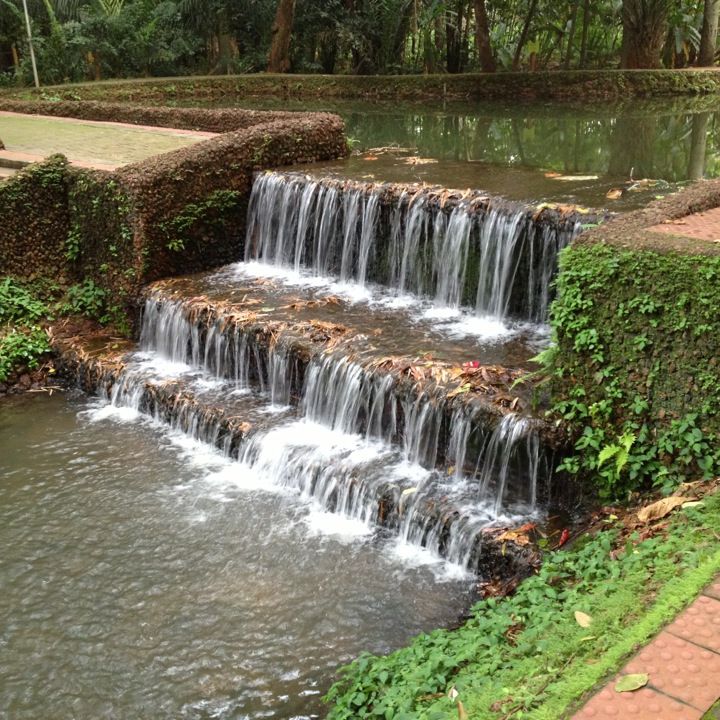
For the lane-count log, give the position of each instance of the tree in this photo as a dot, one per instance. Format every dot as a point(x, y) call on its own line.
point(645, 24)
point(708, 35)
point(524, 34)
point(482, 38)
point(279, 58)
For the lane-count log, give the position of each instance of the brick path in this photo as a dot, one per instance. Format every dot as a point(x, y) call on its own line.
point(683, 664)
point(701, 226)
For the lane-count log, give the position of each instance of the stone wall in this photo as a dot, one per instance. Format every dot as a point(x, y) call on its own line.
point(560, 85)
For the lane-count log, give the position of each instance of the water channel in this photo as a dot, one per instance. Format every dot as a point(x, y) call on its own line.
point(529, 150)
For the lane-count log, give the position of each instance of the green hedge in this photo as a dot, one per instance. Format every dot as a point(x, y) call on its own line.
point(635, 372)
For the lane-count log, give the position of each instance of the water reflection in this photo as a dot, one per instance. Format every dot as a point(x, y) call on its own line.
point(667, 140)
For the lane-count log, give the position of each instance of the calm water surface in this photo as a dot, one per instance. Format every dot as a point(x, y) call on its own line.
point(529, 150)
point(139, 581)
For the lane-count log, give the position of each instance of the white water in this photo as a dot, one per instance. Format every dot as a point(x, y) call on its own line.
point(356, 449)
point(495, 261)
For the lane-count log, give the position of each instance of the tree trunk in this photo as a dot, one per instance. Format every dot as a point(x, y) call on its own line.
point(452, 45)
point(571, 33)
point(644, 29)
point(279, 59)
point(454, 38)
point(708, 36)
point(585, 30)
point(524, 34)
point(482, 38)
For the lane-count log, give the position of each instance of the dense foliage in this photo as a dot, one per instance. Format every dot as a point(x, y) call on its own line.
point(22, 341)
point(527, 656)
point(634, 366)
point(92, 39)
point(27, 307)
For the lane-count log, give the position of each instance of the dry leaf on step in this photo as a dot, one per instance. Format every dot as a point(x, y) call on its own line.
point(660, 509)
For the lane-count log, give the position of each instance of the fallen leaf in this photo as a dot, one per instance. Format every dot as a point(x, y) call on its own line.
point(583, 619)
point(576, 178)
point(519, 538)
point(660, 509)
point(630, 683)
point(614, 194)
point(419, 161)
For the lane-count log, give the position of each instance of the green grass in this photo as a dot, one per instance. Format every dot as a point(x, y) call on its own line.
point(88, 141)
point(526, 656)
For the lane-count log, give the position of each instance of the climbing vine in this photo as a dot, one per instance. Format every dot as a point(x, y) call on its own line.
point(210, 211)
point(634, 365)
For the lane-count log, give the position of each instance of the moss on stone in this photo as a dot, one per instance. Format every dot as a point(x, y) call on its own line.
point(559, 85)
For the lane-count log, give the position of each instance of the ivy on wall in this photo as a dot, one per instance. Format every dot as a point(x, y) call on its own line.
point(634, 365)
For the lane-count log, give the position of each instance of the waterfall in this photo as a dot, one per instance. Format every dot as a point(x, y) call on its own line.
point(490, 257)
point(514, 444)
point(350, 437)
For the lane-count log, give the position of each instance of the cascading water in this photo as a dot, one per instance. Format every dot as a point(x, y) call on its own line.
point(496, 258)
point(331, 426)
point(358, 445)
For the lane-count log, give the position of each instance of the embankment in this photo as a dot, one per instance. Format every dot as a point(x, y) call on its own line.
point(555, 85)
point(635, 369)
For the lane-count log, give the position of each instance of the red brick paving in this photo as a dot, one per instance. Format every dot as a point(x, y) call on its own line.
point(714, 590)
point(645, 704)
point(700, 624)
point(683, 665)
point(700, 226)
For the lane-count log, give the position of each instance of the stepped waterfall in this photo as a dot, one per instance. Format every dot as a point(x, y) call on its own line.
point(418, 463)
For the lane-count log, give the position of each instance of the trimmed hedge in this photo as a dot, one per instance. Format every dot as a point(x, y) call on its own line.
point(34, 220)
point(172, 214)
point(217, 120)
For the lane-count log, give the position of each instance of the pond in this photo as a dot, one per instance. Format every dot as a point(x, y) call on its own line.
point(140, 580)
point(528, 150)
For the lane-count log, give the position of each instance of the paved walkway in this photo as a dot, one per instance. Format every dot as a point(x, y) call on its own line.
point(683, 664)
point(701, 226)
point(100, 145)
